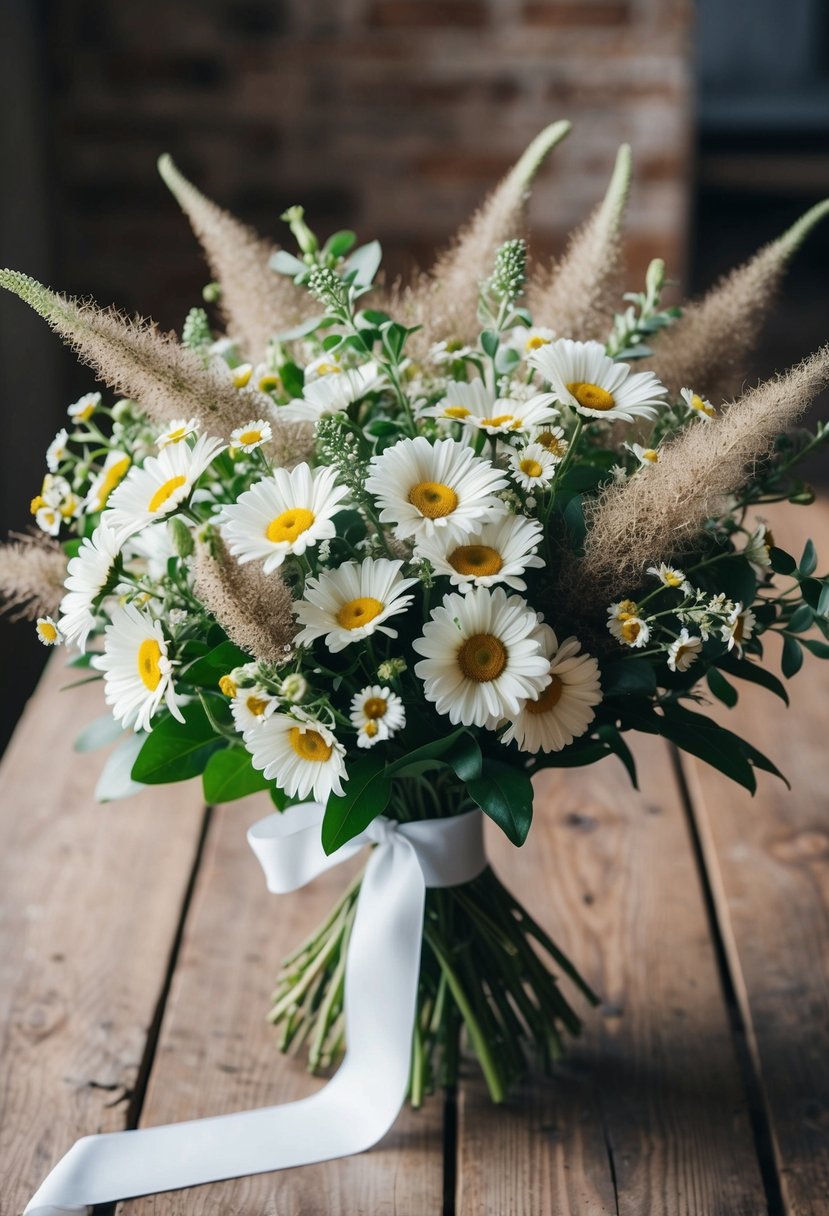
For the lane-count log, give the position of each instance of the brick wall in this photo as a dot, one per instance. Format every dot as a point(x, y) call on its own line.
point(390, 116)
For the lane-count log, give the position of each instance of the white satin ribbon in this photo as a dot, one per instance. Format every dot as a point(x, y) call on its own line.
point(359, 1105)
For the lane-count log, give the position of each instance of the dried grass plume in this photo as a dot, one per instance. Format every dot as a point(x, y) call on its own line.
point(708, 347)
point(257, 302)
point(32, 571)
point(253, 608)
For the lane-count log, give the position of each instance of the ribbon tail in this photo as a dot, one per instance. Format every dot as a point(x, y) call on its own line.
point(350, 1114)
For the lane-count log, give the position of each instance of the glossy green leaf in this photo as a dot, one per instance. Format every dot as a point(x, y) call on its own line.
point(366, 796)
point(506, 795)
point(808, 561)
point(721, 688)
point(207, 671)
point(781, 561)
point(230, 775)
point(792, 660)
point(429, 751)
point(802, 619)
point(177, 751)
point(753, 673)
point(625, 676)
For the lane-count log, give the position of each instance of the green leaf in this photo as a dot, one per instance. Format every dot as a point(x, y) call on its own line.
point(364, 263)
point(177, 751)
point(429, 751)
point(610, 734)
point(285, 263)
point(340, 243)
point(792, 660)
point(743, 669)
point(735, 577)
point(576, 755)
point(464, 758)
point(230, 775)
point(98, 733)
point(207, 671)
point(574, 518)
point(366, 796)
point(801, 619)
point(721, 688)
point(293, 379)
point(781, 561)
point(506, 795)
point(394, 339)
point(808, 561)
point(373, 317)
point(759, 760)
point(720, 748)
point(823, 601)
point(624, 676)
point(820, 649)
point(490, 341)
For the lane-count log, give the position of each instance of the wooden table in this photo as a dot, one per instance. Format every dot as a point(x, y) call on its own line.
point(139, 946)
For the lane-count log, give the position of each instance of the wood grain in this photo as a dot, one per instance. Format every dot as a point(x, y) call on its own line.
point(217, 1053)
point(647, 1116)
point(91, 897)
point(768, 862)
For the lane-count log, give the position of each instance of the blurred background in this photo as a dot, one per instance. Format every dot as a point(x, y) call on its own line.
point(392, 117)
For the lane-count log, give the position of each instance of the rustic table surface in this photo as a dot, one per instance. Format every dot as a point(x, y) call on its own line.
point(139, 944)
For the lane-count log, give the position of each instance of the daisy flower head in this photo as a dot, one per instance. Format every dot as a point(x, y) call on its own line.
point(683, 650)
point(324, 365)
point(671, 576)
point(564, 710)
point(526, 341)
point(533, 467)
point(56, 451)
point(137, 668)
point(115, 468)
point(285, 513)
point(758, 547)
point(423, 488)
point(251, 436)
point(581, 375)
point(481, 657)
point(87, 576)
point(448, 351)
point(499, 552)
point(240, 374)
point(178, 430)
point(738, 628)
point(83, 409)
point(300, 754)
point(251, 707)
point(700, 406)
point(626, 626)
point(552, 439)
point(263, 379)
point(332, 393)
point(153, 491)
point(351, 602)
point(47, 631)
point(644, 455)
point(462, 400)
point(377, 713)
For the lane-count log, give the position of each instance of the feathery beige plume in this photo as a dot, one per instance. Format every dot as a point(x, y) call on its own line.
point(707, 347)
point(168, 380)
point(445, 300)
point(257, 302)
point(253, 608)
point(577, 297)
point(32, 571)
point(661, 509)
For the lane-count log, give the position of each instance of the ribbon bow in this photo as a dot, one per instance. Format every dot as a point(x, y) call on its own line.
point(359, 1105)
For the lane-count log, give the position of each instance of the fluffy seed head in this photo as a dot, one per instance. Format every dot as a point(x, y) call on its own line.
point(253, 608)
point(32, 570)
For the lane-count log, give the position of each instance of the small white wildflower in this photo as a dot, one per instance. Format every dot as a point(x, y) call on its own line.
point(683, 651)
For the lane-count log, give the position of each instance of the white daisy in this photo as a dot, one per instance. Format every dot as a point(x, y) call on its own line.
point(137, 669)
point(301, 755)
point(476, 406)
point(482, 657)
point(758, 548)
point(533, 467)
point(644, 455)
point(581, 375)
point(178, 430)
point(525, 341)
point(332, 393)
point(671, 576)
point(161, 485)
point(499, 552)
point(626, 626)
point(115, 468)
point(565, 708)
point(241, 374)
point(738, 628)
point(459, 401)
point(83, 409)
point(87, 574)
point(56, 451)
point(448, 351)
point(422, 487)
point(324, 365)
point(251, 436)
point(285, 513)
point(698, 405)
point(48, 632)
point(250, 706)
point(377, 713)
point(683, 650)
point(49, 520)
point(351, 602)
point(551, 438)
point(265, 379)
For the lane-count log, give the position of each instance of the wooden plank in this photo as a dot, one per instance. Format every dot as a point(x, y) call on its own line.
point(768, 860)
point(90, 902)
point(647, 1115)
point(217, 1052)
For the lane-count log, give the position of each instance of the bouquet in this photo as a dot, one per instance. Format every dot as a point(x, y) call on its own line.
point(396, 548)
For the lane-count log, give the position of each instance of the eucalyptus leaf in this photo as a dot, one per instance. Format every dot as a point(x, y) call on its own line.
point(116, 781)
point(99, 733)
point(364, 263)
point(808, 561)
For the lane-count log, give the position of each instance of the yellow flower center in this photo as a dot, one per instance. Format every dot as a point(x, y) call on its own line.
point(268, 383)
point(531, 468)
point(328, 369)
point(433, 499)
point(176, 436)
point(591, 396)
point(67, 507)
point(250, 437)
point(166, 491)
point(149, 667)
point(650, 454)
point(699, 403)
point(630, 630)
point(309, 745)
point(482, 657)
point(359, 612)
point(548, 699)
point(477, 560)
point(228, 687)
point(375, 707)
point(47, 631)
point(456, 411)
point(242, 375)
point(535, 342)
point(370, 729)
point(37, 502)
point(768, 539)
point(739, 629)
point(626, 608)
point(673, 578)
point(256, 705)
point(112, 477)
point(289, 525)
point(501, 420)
